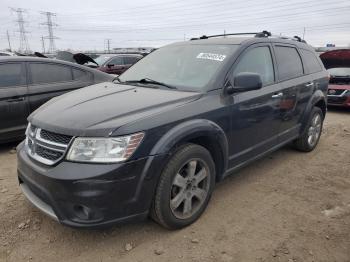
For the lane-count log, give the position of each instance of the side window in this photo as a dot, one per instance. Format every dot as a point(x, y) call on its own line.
point(311, 62)
point(130, 60)
point(257, 60)
point(10, 75)
point(288, 62)
point(80, 75)
point(49, 73)
point(116, 61)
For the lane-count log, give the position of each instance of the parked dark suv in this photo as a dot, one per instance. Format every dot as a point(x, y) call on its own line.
point(28, 82)
point(183, 118)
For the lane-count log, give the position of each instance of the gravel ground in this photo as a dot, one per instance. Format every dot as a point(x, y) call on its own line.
point(289, 206)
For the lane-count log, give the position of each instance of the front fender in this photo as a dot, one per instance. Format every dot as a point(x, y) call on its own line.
point(192, 129)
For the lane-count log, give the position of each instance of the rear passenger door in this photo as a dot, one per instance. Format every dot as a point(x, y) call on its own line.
point(13, 100)
point(255, 114)
point(295, 92)
point(48, 80)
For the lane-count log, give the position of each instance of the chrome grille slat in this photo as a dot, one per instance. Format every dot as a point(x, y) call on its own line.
point(45, 146)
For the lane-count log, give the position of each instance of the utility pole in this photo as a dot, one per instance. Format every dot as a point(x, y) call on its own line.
point(304, 33)
point(8, 39)
point(43, 44)
point(23, 43)
point(108, 43)
point(50, 25)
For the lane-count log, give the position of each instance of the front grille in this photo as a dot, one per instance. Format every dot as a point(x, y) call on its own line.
point(336, 100)
point(48, 153)
point(45, 146)
point(335, 92)
point(54, 137)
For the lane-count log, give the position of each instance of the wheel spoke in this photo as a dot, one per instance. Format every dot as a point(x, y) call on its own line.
point(179, 181)
point(177, 200)
point(187, 206)
point(200, 194)
point(191, 169)
point(202, 174)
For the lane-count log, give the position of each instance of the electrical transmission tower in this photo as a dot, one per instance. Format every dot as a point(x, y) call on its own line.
point(50, 25)
point(23, 43)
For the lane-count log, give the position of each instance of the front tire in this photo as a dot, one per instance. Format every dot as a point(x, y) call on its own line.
point(309, 139)
point(184, 187)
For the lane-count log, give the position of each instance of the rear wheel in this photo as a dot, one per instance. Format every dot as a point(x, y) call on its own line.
point(184, 188)
point(309, 139)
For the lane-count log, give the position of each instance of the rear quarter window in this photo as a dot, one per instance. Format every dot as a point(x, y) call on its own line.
point(311, 62)
point(288, 62)
point(49, 73)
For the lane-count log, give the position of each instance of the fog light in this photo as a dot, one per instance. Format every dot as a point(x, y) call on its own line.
point(83, 212)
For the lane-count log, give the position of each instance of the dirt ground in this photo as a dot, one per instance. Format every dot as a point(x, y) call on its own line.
point(289, 206)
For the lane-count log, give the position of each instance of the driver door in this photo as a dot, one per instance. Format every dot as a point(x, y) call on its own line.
point(254, 114)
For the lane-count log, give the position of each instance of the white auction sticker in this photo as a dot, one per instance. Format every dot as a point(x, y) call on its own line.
point(210, 56)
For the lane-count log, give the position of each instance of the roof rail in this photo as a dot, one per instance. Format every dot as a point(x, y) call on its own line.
point(256, 34)
point(294, 38)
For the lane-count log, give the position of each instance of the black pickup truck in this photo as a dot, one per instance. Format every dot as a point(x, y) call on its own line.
point(157, 140)
point(28, 82)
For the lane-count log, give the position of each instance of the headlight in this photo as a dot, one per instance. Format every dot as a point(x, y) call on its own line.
point(104, 150)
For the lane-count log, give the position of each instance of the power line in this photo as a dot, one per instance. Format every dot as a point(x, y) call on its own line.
point(23, 42)
point(50, 25)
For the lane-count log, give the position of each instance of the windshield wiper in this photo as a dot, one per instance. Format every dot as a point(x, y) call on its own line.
point(149, 81)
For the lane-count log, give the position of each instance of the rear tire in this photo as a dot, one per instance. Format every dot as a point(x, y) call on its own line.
point(184, 187)
point(310, 137)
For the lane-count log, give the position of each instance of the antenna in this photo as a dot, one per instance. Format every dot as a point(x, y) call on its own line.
point(23, 43)
point(50, 25)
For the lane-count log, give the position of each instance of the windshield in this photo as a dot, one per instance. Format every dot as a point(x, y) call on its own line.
point(341, 71)
point(186, 67)
point(102, 59)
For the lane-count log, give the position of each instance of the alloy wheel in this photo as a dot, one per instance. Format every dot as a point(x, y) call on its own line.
point(190, 188)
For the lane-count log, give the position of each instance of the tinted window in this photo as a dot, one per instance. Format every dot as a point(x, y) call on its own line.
point(289, 62)
point(80, 74)
point(116, 61)
point(186, 66)
point(10, 74)
point(310, 61)
point(130, 60)
point(4, 54)
point(257, 60)
point(49, 73)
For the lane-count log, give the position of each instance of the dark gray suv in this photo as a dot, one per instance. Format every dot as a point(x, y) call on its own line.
point(157, 140)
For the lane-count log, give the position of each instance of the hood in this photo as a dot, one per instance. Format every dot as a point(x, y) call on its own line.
point(100, 109)
point(336, 58)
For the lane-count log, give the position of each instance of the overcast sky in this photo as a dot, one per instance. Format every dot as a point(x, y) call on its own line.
point(84, 25)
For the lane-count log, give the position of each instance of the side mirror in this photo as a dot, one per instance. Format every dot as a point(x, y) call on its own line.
point(245, 82)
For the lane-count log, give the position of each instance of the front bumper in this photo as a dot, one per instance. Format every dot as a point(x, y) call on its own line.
point(90, 195)
point(343, 101)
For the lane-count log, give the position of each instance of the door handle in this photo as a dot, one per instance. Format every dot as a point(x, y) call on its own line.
point(277, 95)
point(310, 84)
point(15, 99)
